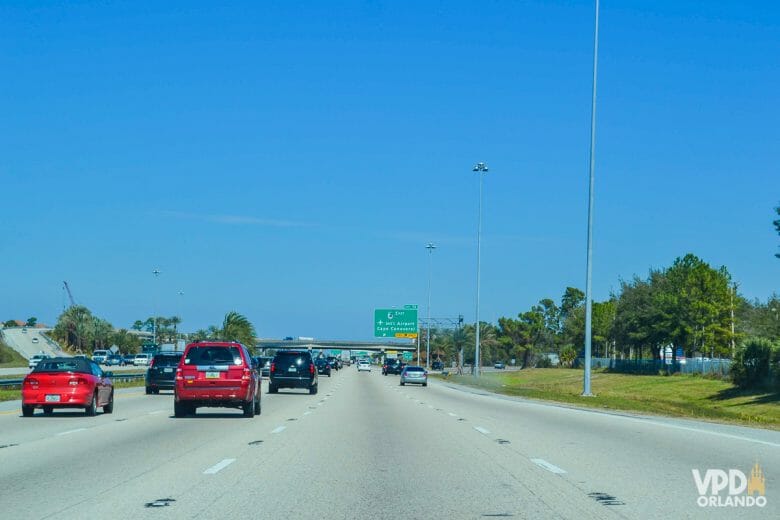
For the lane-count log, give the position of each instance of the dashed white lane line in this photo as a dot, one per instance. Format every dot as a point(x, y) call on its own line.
point(156, 412)
point(279, 429)
point(308, 412)
point(452, 414)
point(483, 431)
point(219, 466)
point(71, 431)
point(430, 406)
point(552, 468)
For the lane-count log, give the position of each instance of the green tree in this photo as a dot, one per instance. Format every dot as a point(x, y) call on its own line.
point(236, 327)
point(10, 323)
point(32, 321)
point(138, 325)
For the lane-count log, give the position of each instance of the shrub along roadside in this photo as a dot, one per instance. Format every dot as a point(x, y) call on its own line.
point(679, 395)
point(757, 365)
point(9, 358)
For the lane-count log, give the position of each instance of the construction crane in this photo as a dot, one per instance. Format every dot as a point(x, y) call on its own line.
point(70, 294)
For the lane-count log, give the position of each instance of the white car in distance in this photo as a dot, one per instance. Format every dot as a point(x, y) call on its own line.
point(364, 366)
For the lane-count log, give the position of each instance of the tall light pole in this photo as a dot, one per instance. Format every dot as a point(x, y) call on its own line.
point(481, 169)
point(181, 300)
point(156, 273)
point(430, 247)
point(589, 269)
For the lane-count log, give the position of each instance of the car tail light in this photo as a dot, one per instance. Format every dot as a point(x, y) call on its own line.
point(151, 363)
point(78, 381)
point(273, 367)
point(247, 375)
point(31, 382)
point(178, 375)
point(311, 368)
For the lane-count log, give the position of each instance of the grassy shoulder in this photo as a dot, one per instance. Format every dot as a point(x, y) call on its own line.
point(678, 395)
point(13, 395)
point(9, 358)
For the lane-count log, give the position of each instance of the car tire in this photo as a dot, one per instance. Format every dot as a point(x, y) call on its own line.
point(156, 391)
point(48, 410)
point(272, 389)
point(313, 390)
point(425, 384)
point(109, 408)
point(328, 374)
point(148, 390)
point(27, 411)
point(258, 405)
point(179, 410)
point(91, 410)
point(402, 383)
point(249, 409)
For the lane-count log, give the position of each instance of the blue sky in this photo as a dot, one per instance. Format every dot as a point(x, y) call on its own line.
point(290, 160)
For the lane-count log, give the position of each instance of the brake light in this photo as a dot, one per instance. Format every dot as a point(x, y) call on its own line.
point(247, 375)
point(273, 367)
point(311, 368)
point(76, 382)
point(151, 363)
point(178, 375)
point(31, 382)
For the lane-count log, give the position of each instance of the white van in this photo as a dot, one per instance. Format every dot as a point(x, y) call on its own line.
point(100, 356)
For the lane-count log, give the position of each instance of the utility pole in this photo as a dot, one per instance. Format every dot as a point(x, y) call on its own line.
point(156, 273)
point(733, 343)
point(430, 247)
point(481, 169)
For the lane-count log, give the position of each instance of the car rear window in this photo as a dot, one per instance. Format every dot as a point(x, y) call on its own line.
point(167, 360)
point(211, 355)
point(63, 365)
point(415, 369)
point(297, 358)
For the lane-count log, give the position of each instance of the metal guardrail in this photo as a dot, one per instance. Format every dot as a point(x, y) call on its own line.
point(11, 383)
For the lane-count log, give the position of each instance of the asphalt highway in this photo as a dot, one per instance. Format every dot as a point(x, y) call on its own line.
point(366, 448)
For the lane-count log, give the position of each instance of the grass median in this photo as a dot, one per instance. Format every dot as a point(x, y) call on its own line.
point(679, 395)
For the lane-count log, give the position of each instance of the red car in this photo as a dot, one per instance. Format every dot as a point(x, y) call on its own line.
point(67, 383)
point(216, 374)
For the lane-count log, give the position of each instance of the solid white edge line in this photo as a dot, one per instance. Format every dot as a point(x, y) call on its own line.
point(279, 429)
point(552, 468)
point(71, 431)
point(483, 431)
point(219, 466)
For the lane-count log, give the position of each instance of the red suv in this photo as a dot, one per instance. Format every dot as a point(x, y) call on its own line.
point(216, 374)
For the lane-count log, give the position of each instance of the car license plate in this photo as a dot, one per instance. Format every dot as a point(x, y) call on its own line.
point(52, 398)
point(168, 370)
point(292, 369)
point(212, 375)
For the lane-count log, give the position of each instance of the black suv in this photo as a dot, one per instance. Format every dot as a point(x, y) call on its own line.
point(392, 366)
point(323, 366)
point(161, 374)
point(293, 369)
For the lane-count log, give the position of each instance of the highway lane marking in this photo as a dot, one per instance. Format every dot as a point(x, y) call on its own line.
point(430, 406)
point(483, 431)
point(71, 431)
point(307, 412)
point(219, 466)
point(156, 412)
point(279, 429)
point(452, 414)
point(552, 468)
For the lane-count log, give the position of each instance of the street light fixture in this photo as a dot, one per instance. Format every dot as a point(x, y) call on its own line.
point(481, 169)
point(430, 247)
point(589, 263)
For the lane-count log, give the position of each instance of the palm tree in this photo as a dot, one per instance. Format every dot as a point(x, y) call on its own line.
point(175, 320)
point(236, 327)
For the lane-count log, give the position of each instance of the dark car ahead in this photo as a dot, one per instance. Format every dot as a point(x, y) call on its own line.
point(114, 360)
point(392, 366)
point(334, 362)
point(437, 365)
point(128, 359)
point(263, 364)
point(293, 369)
point(161, 374)
point(323, 366)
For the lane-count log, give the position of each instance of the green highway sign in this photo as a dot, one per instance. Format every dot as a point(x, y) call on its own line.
point(410, 306)
point(407, 356)
point(395, 323)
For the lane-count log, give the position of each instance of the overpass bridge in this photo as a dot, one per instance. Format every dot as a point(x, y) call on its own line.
point(376, 346)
